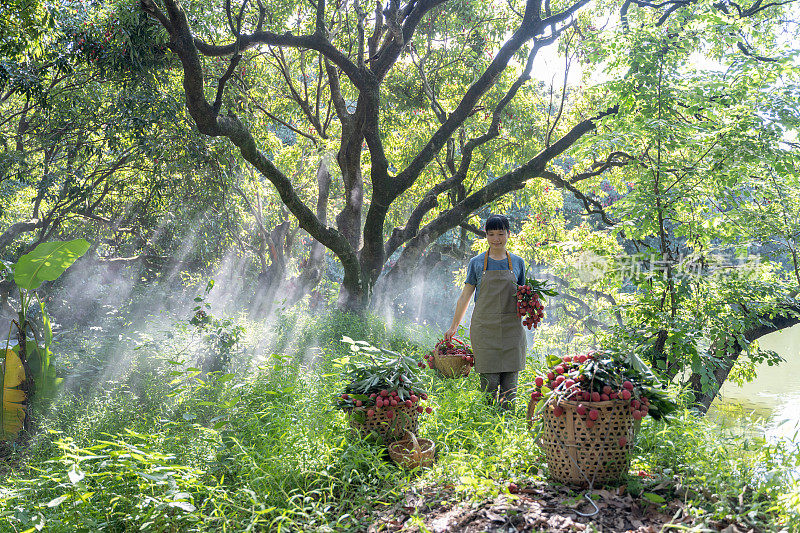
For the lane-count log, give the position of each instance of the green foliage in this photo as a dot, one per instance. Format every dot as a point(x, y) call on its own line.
point(381, 370)
point(41, 361)
point(723, 474)
point(23, 24)
point(167, 447)
point(220, 335)
point(47, 262)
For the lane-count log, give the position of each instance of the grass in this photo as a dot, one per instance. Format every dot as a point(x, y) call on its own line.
point(162, 447)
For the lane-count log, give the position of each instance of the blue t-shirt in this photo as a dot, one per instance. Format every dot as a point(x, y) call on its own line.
point(475, 269)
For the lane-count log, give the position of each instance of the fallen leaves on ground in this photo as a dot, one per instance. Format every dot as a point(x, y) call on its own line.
point(539, 506)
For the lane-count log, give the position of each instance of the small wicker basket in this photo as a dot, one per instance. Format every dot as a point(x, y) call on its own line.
point(451, 365)
point(583, 456)
point(404, 419)
point(412, 452)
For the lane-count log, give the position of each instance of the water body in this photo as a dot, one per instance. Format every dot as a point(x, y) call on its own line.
point(771, 402)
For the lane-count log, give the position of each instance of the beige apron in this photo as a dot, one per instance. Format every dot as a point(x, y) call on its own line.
point(495, 332)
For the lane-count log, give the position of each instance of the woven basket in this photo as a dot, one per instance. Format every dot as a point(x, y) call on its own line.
point(388, 429)
point(451, 366)
point(412, 452)
point(582, 456)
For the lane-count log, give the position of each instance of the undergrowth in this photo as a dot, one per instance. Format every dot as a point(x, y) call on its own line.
point(161, 446)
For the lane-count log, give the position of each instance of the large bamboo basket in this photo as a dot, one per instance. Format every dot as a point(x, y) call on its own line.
point(582, 456)
point(388, 429)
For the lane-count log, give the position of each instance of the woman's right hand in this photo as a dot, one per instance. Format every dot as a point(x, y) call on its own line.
point(450, 333)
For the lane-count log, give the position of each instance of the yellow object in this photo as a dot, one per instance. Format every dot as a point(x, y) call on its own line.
point(12, 399)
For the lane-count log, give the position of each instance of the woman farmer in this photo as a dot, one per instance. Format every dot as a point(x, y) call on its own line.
point(496, 333)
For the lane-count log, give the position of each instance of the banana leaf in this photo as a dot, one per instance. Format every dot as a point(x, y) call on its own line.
point(12, 398)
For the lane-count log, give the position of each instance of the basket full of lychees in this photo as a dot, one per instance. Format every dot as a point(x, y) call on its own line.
point(451, 358)
point(384, 396)
point(589, 409)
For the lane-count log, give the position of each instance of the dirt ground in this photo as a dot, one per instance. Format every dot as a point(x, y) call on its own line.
point(541, 507)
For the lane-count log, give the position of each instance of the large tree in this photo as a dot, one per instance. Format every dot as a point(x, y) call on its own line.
point(354, 76)
point(463, 63)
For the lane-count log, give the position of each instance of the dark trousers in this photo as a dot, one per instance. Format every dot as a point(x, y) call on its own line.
point(500, 388)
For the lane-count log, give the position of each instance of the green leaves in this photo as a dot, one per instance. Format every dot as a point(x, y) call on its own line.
point(47, 262)
point(383, 369)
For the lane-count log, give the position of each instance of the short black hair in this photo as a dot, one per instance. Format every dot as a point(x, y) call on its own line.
point(496, 222)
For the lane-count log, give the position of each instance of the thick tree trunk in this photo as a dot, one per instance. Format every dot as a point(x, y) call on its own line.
point(704, 399)
point(349, 159)
point(352, 295)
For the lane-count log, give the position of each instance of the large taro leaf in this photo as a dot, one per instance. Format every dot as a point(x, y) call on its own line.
point(12, 399)
point(46, 262)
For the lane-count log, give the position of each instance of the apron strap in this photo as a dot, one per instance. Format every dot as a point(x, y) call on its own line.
point(486, 261)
